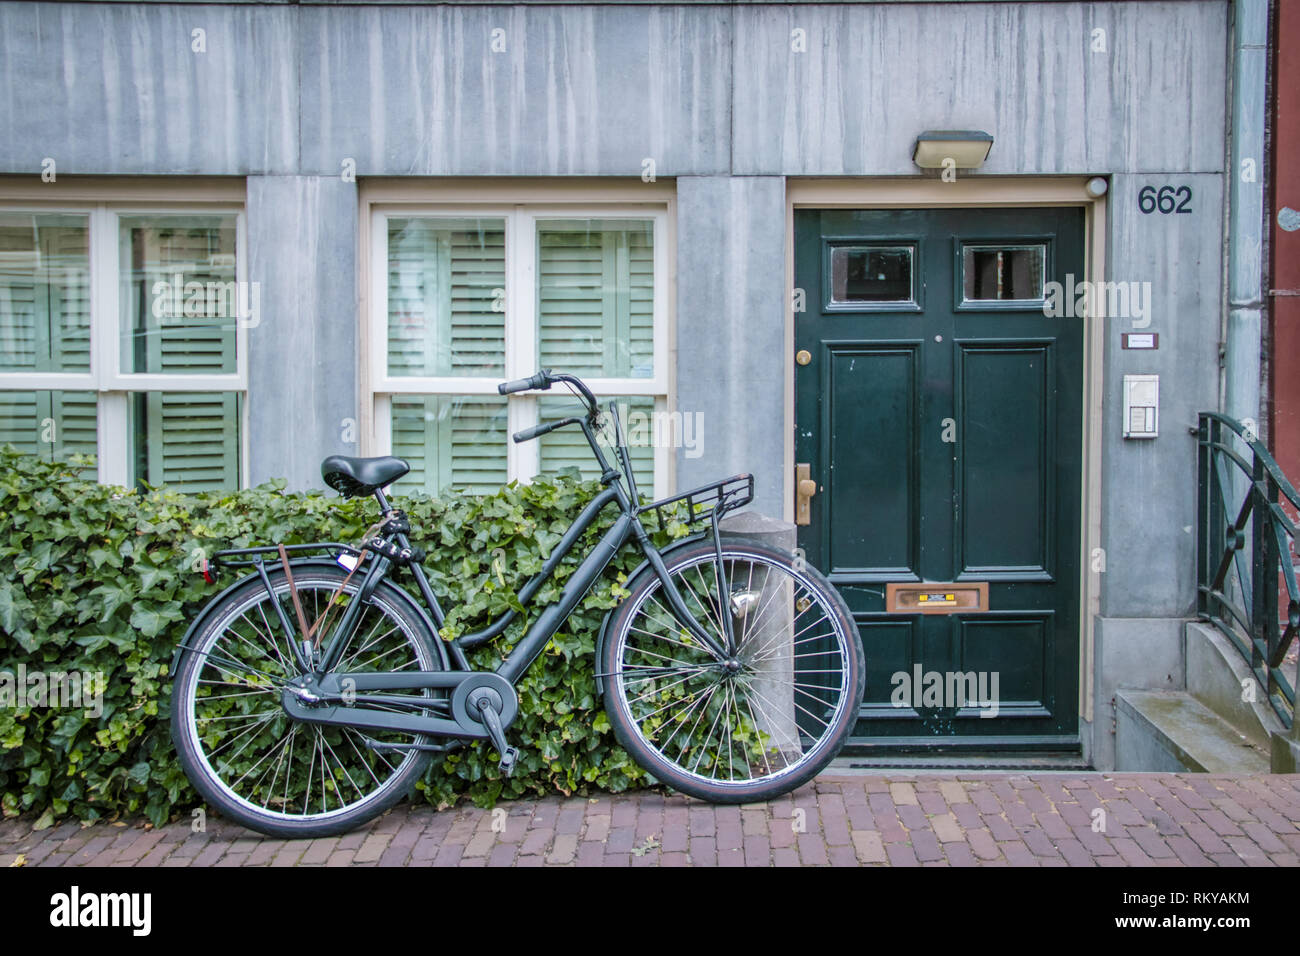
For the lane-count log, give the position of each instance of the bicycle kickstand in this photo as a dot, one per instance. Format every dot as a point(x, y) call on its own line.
point(496, 733)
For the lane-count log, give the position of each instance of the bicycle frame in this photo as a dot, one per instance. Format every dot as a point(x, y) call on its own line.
point(327, 685)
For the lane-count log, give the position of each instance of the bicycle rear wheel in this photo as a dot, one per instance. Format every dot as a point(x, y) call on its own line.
point(746, 726)
point(253, 762)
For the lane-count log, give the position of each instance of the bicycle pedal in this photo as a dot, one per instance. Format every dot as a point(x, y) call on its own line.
point(497, 735)
point(508, 758)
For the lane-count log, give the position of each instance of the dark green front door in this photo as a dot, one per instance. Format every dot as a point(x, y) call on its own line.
point(940, 414)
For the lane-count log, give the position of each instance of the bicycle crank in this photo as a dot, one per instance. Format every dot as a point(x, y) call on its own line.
point(488, 702)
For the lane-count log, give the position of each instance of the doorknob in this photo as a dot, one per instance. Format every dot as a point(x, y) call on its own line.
point(804, 489)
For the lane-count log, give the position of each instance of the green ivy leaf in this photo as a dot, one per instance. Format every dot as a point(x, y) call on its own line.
point(118, 602)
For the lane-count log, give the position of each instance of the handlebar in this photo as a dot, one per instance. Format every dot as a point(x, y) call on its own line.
point(590, 422)
point(545, 379)
point(541, 380)
point(537, 431)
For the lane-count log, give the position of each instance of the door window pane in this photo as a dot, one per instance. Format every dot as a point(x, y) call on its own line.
point(44, 293)
point(446, 297)
point(452, 442)
point(1003, 273)
point(871, 274)
point(51, 424)
point(595, 297)
point(188, 441)
point(180, 301)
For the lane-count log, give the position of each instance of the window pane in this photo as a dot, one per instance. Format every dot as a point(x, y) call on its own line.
point(595, 297)
point(451, 441)
point(567, 447)
point(52, 425)
point(179, 298)
point(1002, 273)
point(446, 296)
point(44, 293)
point(871, 274)
point(188, 441)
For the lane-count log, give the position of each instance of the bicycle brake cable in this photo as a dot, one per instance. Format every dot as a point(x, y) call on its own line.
point(318, 626)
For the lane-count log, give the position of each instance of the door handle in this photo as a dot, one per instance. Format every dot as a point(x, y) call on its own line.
point(804, 489)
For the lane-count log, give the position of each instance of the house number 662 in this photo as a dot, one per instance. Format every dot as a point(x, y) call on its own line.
point(1164, 200)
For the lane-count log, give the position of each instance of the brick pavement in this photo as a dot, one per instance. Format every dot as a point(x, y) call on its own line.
point(1048, 819)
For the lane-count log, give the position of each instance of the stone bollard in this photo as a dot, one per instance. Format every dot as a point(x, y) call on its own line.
point(760, 529)
point(763, 612)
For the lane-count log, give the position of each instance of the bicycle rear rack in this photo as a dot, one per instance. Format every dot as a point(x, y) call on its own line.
point(248, 557)
point(708, 502)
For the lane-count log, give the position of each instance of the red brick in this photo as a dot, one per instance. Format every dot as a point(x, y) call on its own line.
point(900, 854)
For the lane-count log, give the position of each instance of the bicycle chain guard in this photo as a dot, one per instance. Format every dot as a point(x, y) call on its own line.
point(487, 701)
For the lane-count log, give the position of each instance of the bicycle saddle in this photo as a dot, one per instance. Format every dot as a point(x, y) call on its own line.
point(354, 477)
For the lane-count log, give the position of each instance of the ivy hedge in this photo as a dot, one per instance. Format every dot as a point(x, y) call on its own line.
point(103, 580)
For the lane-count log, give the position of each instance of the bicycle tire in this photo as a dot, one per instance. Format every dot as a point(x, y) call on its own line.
point(199, 722)
point(638, 685)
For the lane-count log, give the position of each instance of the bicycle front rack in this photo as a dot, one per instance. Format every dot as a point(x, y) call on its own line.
point(708, 502)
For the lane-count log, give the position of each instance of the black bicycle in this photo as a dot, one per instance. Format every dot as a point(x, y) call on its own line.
point(310, 695)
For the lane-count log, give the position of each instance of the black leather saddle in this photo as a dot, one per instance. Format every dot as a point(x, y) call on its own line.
point(354, 477)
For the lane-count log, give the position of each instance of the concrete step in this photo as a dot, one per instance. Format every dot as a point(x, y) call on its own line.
point(1161, 730)
point(1216, 676)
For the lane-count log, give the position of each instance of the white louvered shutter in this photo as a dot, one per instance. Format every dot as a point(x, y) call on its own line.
point(596, 300)
point(190, 440)
point(453, 443)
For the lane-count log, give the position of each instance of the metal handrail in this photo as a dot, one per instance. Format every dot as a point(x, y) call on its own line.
point(1238, 477)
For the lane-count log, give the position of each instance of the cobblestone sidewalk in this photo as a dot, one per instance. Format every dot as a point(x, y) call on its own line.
point(898, 819)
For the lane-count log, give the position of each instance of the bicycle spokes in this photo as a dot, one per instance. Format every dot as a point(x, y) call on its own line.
point(762, 710)
point(261, 757)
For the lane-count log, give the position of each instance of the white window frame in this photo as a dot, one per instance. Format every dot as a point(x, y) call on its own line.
point(520, 359)
point(106, 377)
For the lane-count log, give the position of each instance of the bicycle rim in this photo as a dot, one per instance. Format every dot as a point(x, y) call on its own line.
point(775, 707)
point(252, 753)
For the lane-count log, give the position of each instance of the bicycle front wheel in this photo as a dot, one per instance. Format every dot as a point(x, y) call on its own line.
point(746, 725)
point(257, 765)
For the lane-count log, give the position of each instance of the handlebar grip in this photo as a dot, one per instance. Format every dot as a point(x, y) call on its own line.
point(540, 380)
point(537, 431)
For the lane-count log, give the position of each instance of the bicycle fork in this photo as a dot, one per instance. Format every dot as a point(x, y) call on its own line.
point(677, 604)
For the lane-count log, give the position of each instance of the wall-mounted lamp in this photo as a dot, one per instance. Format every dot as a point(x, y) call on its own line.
point(967, 148)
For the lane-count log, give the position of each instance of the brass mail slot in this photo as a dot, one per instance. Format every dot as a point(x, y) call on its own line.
point(929, 597)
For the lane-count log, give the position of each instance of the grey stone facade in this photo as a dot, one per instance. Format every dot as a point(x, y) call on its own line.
point(715, 95)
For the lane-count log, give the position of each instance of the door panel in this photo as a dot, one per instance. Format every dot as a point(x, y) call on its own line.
point(941, 416)
point(893, 644)
point(871, 391)
point(1004, 484)
point(1018, 648)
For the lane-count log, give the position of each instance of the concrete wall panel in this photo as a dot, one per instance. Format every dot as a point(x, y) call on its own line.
point(731, 329)
point(302, 377)
point(108, 88)
point(874, 76)
point(1149, 485)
